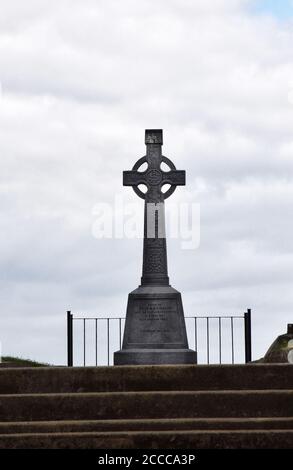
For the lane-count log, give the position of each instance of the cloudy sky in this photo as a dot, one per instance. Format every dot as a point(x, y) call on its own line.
point(80, 81)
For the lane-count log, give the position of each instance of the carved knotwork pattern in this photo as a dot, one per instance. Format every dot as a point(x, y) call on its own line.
point(152, 157)
point(176, 177)
point(155, 262)
point(155, 242)
point(154, 177)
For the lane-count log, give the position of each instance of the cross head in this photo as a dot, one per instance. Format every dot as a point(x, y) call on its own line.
point(154, 178)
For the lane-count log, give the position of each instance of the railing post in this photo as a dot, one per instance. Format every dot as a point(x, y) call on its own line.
point(247, 330)
point(69, 339)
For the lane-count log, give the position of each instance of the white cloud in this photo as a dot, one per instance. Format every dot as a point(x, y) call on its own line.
point(81, 81)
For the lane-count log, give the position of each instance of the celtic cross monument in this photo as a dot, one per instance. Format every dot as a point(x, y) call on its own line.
point(155, 331)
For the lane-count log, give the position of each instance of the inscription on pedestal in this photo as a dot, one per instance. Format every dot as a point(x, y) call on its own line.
point(156, 314)
point(155, 321)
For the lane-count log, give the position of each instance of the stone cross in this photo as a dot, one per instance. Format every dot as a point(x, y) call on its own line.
point(155, 269)
point(155, 331)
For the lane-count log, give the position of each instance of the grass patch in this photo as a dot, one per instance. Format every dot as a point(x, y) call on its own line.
point(19, 361)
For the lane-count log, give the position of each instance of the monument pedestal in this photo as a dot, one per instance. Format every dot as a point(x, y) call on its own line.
point(155, 331)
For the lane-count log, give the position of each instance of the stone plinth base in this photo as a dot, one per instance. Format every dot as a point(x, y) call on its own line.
point(154, 356)
point(155, 331)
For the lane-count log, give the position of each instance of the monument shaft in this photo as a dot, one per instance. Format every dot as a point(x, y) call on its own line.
point(154, 267)
point(154, 270)
point(155, 331)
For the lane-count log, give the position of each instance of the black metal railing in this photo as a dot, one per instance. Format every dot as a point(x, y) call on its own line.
point(213, 337)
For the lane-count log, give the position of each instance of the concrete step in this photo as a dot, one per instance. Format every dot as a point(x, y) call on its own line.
point(243, 406)
point(144, 378)
point(260, 439)
point(146, 425)
point(146, 405)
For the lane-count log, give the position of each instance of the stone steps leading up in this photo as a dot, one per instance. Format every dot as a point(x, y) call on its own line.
point(135, 405)
point(120, 425)
point(144, 378)
point(261, 439)
point(249, 406)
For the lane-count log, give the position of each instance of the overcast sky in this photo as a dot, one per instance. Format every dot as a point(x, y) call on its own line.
point(80, 82)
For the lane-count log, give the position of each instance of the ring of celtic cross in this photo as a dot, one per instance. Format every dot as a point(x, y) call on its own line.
point(153, 177)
